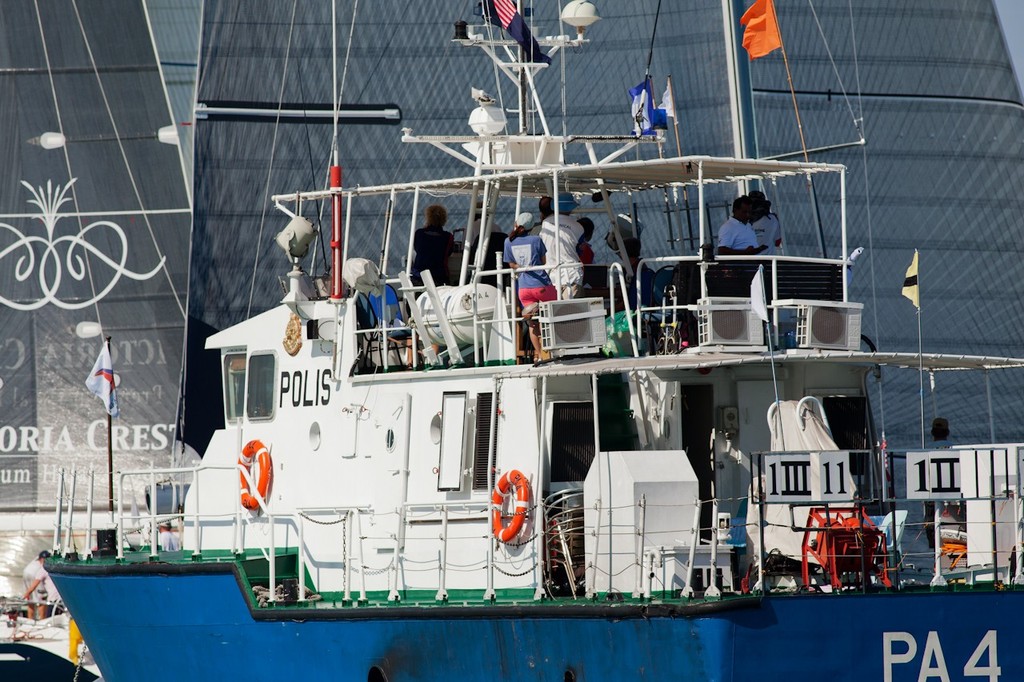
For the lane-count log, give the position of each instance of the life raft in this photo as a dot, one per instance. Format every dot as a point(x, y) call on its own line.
point(255, 451)
point(509, 480)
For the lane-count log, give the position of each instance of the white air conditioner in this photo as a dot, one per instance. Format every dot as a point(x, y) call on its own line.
point(829, 325)
point(728, 322)
point(572, 323)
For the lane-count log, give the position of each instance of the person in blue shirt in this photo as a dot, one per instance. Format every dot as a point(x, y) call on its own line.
point(525, 250)
point(433, 246)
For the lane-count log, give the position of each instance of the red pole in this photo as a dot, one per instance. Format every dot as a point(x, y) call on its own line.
point(336, 243)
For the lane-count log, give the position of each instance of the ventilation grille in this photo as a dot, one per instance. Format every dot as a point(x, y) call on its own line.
point(482, 450)
point(833, 326)
point(572, 441)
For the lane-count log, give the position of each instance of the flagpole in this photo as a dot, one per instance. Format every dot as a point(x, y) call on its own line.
point(920, 355)
point(110, 447)
point(679, 152)
point(789, 79)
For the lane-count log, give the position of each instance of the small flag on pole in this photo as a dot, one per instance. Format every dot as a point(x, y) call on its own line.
point(101, 381)
point(667, 104)
point(757, 303)
point(761, 35)
point(910, 287)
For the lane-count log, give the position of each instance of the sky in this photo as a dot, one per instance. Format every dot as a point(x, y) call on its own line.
point(1011, 13)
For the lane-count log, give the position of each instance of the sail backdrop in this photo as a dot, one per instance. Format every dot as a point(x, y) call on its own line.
point(928, 82)
point(91, 230)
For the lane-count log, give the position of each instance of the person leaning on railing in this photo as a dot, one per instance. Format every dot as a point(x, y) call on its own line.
point(523, 250)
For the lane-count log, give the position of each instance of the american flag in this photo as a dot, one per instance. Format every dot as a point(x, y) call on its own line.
point(504, 13)
point(506, 10)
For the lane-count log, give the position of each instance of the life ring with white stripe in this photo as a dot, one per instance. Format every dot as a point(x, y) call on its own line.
point(510, 480)
point(255, 452)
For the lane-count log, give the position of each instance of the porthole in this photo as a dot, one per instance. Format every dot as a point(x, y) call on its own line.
point(314, 436)
point(389, 440)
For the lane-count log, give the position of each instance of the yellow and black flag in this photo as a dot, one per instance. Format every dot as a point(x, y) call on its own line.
point(910, 287)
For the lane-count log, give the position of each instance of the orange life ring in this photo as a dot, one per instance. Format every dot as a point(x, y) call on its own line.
point(509, 479)
point(255, 450)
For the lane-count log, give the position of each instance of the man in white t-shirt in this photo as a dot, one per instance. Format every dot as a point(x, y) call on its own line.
point(561, 242)
point(736, 237)
point(765, 223)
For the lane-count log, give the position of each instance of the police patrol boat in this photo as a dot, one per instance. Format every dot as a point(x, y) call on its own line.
point(402, 489)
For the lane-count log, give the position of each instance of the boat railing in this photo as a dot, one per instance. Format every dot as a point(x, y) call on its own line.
point(680, 283)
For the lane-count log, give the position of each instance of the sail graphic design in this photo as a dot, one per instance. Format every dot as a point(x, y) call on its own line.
point(52, 257)
point(94, 229)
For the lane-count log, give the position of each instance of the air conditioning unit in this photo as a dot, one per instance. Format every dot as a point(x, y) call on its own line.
point(829, 325)
point(726, 321)
point(576, 323)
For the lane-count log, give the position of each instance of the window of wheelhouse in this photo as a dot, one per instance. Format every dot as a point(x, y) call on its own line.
point(234, 386)
point(259, 403)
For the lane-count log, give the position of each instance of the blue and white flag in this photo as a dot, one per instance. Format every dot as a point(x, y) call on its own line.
point(101, 381)
point(646, 117)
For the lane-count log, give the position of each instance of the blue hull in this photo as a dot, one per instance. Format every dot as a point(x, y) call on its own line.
point(125, 616)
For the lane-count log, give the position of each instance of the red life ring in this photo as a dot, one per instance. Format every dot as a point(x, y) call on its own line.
point(255, 450)
point(509, 480)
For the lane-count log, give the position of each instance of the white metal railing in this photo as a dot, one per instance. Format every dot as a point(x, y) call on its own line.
point(1003, 515)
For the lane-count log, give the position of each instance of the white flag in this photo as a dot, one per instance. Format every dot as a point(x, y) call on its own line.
point(757, 295)
point(667, 104)
point(101, 381)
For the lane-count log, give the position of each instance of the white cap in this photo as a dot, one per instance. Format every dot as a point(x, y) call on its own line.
point(524, 219)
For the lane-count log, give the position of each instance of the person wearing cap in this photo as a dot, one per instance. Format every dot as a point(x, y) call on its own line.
point(765, 223)
point(735, 236)
point(29, 575)
point(561, 241)
point(526, 250)
point(41, 592)
point(168, 540)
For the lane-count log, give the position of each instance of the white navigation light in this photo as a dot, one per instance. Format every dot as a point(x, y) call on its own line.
point(580, 14)
point(52, 140)
point(88, 329)
point(296, 237)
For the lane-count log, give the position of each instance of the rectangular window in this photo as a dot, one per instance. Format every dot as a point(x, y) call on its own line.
point(234, 386)
point(453, 439)
point(259, 403)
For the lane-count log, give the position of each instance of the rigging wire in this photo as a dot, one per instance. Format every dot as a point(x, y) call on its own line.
point(270, 161)
point(835, 70)
point(867, 205)
point(67, 160)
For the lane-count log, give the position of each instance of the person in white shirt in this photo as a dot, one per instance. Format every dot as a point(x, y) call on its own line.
point(561, 242)
point(765, 223)
point(41, 592)
point(29, 575)
point(168, 539)
point(735, 236)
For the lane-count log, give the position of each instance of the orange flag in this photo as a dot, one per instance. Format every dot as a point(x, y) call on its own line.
point(761, 35)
